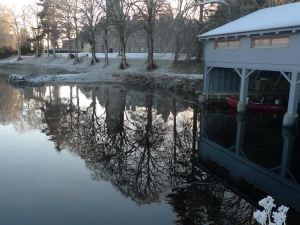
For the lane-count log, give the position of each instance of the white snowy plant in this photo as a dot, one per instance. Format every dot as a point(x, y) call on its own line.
point(267, 216)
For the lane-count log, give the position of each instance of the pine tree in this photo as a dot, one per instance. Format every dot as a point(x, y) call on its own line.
point(49, 19)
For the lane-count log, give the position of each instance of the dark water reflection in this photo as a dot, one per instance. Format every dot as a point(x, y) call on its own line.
point(143, 161)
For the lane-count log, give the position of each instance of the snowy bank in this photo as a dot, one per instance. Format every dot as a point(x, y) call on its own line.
point(184, 77)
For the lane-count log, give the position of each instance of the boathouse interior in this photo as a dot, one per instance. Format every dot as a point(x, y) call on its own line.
point(264, 86)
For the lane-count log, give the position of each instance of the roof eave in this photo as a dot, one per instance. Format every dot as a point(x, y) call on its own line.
point(250, 33)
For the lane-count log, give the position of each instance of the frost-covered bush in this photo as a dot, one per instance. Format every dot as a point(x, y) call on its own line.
point(267, 216)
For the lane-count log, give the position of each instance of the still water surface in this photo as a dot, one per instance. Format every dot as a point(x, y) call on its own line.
point(113, 155)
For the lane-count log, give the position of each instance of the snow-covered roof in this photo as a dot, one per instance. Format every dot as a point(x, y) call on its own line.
point(275, 18)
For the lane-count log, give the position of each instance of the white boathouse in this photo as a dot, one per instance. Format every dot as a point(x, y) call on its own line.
point(266, 40)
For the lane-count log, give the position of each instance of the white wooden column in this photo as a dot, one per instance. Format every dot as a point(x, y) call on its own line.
point(204, 96)
point(291, 115)
point(205, 80)
point(207, 71)
point(244, 75)
point(242, 105)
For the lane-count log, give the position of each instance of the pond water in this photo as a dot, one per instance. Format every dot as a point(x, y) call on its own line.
point(112, 155)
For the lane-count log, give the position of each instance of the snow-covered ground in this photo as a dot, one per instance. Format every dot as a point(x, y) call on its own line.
point(45, 70)
point(140, 56)
point(168, 56)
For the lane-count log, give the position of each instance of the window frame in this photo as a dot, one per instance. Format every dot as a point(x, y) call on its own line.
point(270, 38)
point(228, 41)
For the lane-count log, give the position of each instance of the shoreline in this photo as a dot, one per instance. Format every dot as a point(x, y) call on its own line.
point(48, 71)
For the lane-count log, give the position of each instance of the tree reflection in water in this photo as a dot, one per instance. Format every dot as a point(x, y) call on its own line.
point(149, 156)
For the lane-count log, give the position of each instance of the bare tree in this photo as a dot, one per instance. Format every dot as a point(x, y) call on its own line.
point(50, 16)
point(148, 11)
point(183, 12)
point(66, 10)
point(18, 27)
point(34, 23)
point(105, 25)
point(105, 37)
point(54, 26)
point(70, 24)
point(118, 14)
point(5, 26)
point(92, 14)
point(76, 5)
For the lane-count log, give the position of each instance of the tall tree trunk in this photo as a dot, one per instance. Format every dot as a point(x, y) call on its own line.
point(151, 64)
point(177, 43)
point(48, 45)
point(76, 42)
point(199, 48)
point(19, 51)
point(178, 29)
point(201, 13)
point(148, 45)
point(106, 47)
point(53, 48)
point(177, 49)
point(123, 64)
point(93, 61)
point(94, 58)
point(69, 46)
point(37, 49)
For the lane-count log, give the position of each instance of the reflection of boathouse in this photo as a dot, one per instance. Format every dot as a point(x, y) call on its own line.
point(254, 155)
point(263, 44)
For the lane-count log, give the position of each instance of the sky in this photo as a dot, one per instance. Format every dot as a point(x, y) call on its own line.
point(19, 3)
point(16, 3)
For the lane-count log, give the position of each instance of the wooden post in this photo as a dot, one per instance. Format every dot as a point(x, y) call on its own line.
point(206, 81)
point(291, 115)
point(203, 97)
point(242, 105)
